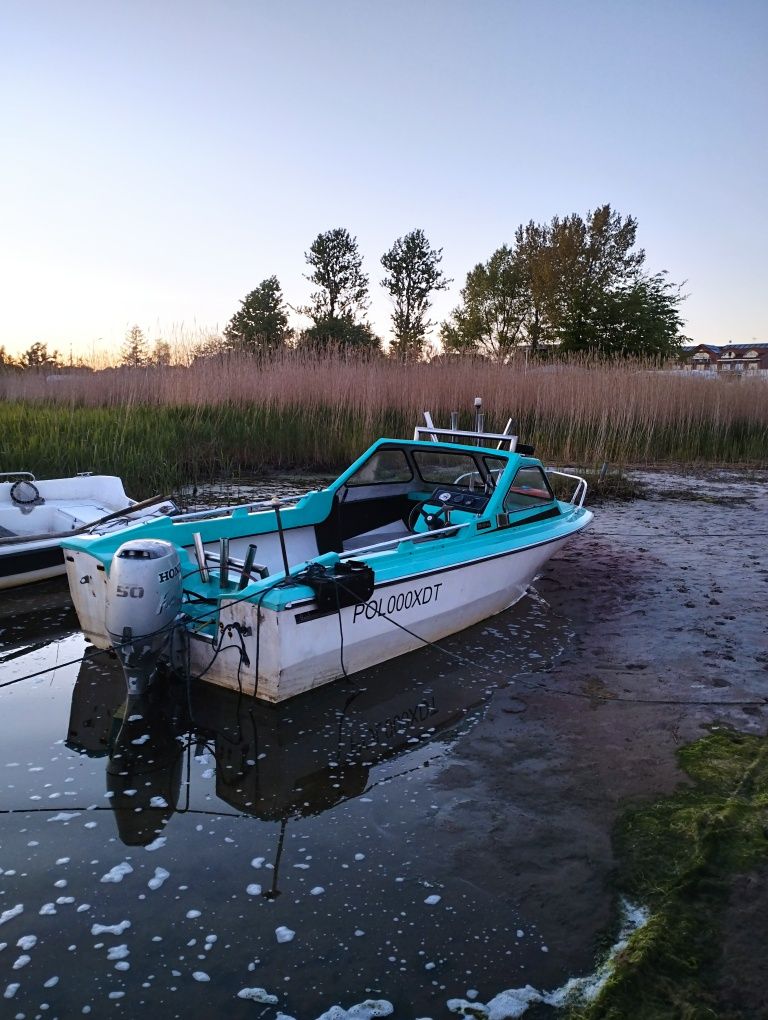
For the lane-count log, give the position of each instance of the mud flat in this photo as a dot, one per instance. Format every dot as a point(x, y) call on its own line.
point(437, 833)
point(666, 600)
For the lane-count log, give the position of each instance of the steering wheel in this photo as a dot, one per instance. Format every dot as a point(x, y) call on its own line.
point(434, 519)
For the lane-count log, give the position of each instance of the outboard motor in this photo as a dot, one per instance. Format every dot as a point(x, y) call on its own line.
point(143, 600)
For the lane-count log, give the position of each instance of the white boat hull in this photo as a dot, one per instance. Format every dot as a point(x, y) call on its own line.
point(25, 564)
point(31, 533)
point(296, 649)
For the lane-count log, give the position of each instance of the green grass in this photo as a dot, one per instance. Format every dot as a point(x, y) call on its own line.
point(161, 428)
point(676, 857)
point(154, 447)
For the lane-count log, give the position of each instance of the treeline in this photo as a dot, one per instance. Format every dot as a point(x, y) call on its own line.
point(575, 285)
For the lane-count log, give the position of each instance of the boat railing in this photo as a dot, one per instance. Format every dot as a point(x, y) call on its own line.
point(227, 511)
point(394, 543)
point(432, 432)
point(27, 475)
point(579, 493)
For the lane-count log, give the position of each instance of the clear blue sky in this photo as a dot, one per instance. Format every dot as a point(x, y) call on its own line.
point(161, 158)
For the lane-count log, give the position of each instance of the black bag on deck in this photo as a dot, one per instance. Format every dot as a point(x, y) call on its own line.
point(347, 584)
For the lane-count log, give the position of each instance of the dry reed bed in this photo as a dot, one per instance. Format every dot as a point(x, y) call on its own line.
point(239, 414)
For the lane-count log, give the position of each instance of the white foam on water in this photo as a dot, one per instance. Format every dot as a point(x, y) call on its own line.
point(64, 816)
point(156, 843)
point(118, 952)
point(258, 862)
point(51, 982)
point(110, 929)
point(257, 995)
point(27, 942)
point(431, 901)
point(12, 912)
point(200, 975)
point(22, 961)
point(47, 909)
point(254, 889)
point(158, 878)
point(317, 890)
point(158, 802)
point(514, 1002)
point(283, 934)
point(118, 873)
point(11, 990)
point(361, 1011)
point(63, 860)
point(191, 914)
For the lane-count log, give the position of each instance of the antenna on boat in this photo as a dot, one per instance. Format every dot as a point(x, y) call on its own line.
point(276, 506)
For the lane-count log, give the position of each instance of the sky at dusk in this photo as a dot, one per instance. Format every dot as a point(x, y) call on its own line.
point(162, 158)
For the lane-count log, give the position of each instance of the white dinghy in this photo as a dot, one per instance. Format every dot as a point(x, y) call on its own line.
point(36, 515)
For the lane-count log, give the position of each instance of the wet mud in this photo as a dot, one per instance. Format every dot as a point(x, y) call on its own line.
point(440, 828)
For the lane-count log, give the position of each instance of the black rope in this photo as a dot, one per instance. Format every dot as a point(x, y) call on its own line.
point(59, 665)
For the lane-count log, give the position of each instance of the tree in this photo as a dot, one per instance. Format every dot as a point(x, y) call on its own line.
point(413, 273)
point(38, 357)
point(337, 269)
point(641, 319)
point(589, 259)
point(338, 307)
point(341, 333)
point(496, 306)
point(134, 352)
point(6, 360)
point(533, 253)
point(161, 354)
point(575, 285)
point(261, 324)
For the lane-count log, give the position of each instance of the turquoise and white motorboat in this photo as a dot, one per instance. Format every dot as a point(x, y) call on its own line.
point(416, 540)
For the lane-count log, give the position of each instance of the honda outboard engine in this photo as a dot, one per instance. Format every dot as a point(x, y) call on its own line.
point(143, 600)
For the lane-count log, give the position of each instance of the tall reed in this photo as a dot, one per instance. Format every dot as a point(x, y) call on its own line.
point(161, 427)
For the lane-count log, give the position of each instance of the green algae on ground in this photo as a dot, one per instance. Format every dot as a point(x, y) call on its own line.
point(676, 856)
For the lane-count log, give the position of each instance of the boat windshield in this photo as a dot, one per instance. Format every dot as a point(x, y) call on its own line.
point(465, 469)
point(435, 467)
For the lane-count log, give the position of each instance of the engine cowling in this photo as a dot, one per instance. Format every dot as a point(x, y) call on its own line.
point(144, 590)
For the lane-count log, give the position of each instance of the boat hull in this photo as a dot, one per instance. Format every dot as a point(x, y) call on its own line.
point(288, 652)
point(25, 564)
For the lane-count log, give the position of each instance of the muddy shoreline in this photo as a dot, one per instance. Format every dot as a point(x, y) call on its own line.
point(666, 599)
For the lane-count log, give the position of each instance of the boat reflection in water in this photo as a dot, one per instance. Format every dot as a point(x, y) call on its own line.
point(274, 763)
